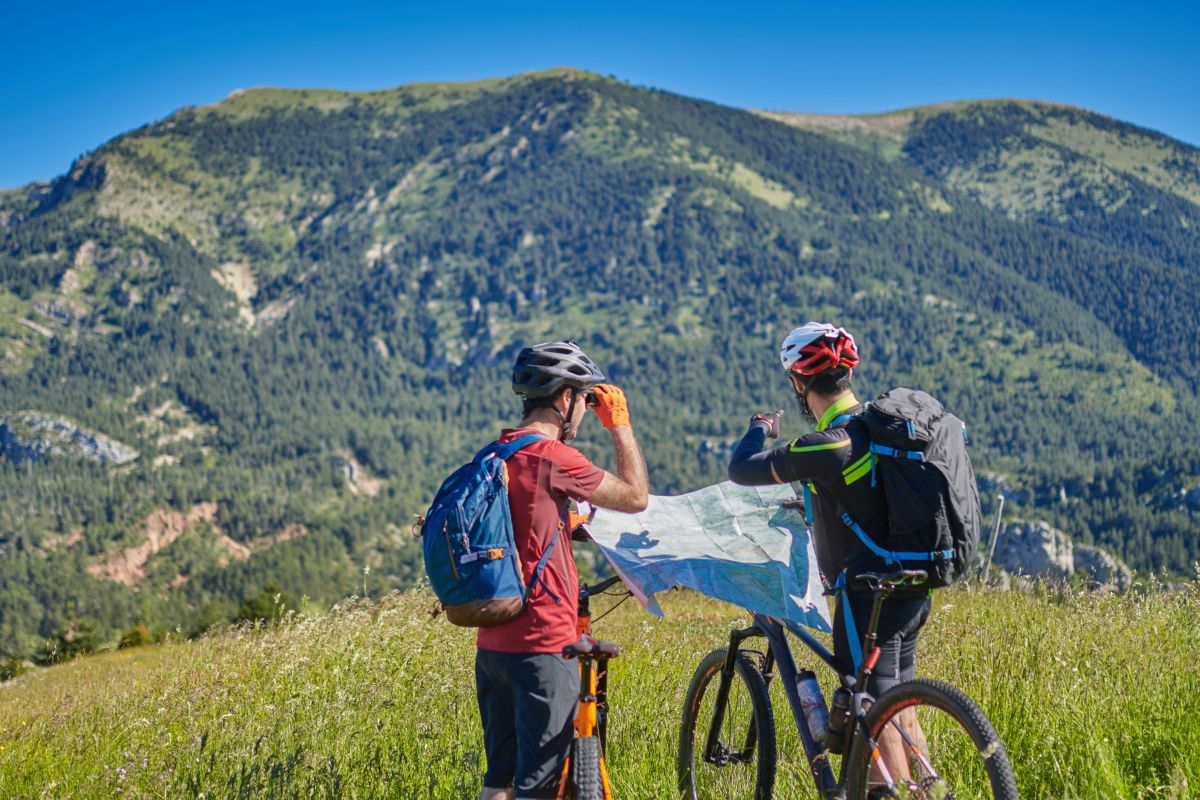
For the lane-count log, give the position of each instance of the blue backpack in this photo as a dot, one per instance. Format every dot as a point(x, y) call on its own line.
point(470, 553)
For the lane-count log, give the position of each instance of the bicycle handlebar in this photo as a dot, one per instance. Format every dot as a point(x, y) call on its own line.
point(601, 586)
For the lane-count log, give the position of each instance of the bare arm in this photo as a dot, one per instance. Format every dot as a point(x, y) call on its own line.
point(629, 489)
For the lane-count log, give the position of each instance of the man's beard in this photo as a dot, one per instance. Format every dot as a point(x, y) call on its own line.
point(805, 412)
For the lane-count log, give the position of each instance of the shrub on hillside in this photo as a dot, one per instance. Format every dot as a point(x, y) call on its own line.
point(215, 613)
point(76, 639)
point(10, 668)
point(136, 636)
point(269, 605)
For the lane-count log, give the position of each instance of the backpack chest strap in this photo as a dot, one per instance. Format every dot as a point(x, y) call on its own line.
point(884, 450)
point(490, 554)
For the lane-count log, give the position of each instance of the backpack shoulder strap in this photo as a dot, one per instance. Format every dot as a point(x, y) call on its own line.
point(891, 557)
point(541, 565)
point(505, 450)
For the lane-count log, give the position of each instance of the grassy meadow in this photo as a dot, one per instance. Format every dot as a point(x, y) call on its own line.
point(1094, 696)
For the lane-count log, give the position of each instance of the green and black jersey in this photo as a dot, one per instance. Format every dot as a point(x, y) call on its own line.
point(835, 462)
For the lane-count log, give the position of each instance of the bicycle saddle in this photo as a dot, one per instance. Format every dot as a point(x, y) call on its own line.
point(587, 647)
point(892, 580)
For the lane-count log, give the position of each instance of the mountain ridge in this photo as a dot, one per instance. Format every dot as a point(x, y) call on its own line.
point(295, 94)
point(306, 286)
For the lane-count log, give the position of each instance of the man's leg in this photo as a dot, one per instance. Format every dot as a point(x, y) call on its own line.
point(891, 743)
point(493, 690)
point(900, 621)
point(898, 663)
point(547, 696)
point(892, 749)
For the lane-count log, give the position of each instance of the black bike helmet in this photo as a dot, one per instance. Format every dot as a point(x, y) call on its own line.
point(544, 369)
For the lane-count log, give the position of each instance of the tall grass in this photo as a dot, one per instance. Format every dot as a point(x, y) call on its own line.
point(1095, 697)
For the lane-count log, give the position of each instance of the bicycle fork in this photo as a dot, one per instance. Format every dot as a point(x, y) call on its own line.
point(593, 679)
point(712, 748)
point(778, 656)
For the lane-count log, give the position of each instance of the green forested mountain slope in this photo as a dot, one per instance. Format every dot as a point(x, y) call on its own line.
point(1059, 165)
point(300, 307)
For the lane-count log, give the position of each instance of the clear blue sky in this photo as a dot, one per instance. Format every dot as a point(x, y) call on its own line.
point(78, 74)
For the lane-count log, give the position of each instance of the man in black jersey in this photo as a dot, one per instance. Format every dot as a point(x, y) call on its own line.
point(832, 468)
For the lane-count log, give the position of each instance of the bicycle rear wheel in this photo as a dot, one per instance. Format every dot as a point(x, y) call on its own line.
point(950, 751)
point(743, 762)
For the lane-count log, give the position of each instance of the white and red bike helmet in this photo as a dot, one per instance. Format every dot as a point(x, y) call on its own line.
point(816, 347)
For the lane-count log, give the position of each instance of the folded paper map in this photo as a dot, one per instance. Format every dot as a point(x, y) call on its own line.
point(735, 543)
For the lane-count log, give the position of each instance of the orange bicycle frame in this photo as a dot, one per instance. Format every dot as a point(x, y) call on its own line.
point(592, 699)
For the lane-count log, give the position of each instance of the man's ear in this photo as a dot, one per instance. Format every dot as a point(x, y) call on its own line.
point(562, 401)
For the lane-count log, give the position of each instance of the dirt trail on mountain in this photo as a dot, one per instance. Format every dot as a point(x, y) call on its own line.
point(162, 528)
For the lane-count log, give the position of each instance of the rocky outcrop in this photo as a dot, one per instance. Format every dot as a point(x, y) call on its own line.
point(87, 173)
point(1107, 571)
point(1036, 549)
point(358, 479)
point(32, 436)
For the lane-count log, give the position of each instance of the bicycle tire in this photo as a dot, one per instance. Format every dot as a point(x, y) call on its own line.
point(586, 780)
point(962, 758)
point(737, 773)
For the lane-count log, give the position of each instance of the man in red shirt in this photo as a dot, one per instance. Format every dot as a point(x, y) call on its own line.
point(527, 691)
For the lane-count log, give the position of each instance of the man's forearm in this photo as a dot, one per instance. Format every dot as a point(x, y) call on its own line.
point(628, 490)
point(631, 466)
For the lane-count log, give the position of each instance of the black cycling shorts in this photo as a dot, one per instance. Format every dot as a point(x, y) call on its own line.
point(527, 703)
point(900, 622)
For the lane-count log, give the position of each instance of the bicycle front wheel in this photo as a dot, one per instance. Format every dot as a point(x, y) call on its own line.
point(741, 763)
point(934, 743)
point(586, 777)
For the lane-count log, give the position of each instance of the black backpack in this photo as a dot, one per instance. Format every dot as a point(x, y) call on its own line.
point(919, 455)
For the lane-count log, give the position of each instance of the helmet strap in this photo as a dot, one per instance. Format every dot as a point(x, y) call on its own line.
point(566, 421)
point(802, 402)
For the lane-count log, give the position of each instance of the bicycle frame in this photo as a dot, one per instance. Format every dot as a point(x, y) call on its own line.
point(591, 717)
point(892, 760)
point(779, 656)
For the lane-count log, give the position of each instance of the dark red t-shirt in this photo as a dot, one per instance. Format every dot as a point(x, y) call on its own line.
point(540, 478)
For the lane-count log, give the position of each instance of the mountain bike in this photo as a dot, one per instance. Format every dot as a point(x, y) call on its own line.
point(585, 775)
point(727, 737)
